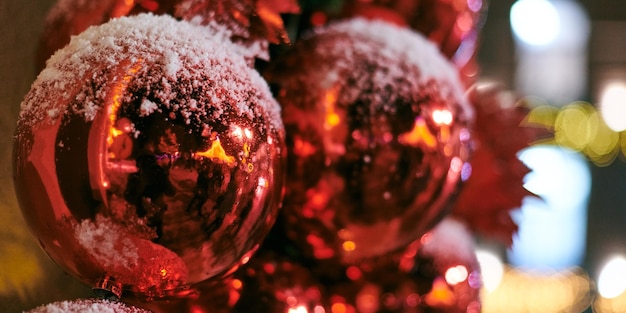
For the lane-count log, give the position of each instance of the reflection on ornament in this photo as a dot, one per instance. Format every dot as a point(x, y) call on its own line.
point(128, 164)
point(377, 129)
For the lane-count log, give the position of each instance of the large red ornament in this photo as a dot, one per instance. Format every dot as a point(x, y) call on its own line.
point(377, 135)
point(149, 157)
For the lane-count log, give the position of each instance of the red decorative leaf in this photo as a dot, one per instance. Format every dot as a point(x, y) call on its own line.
point(496, 185)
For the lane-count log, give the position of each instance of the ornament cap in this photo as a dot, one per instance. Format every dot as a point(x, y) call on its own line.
point(108, 288)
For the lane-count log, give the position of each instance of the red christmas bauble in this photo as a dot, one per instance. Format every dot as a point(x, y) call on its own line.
point(149, 157)
point(377, 136)
point(439, 273)
point(452, 25)
point(273, 282)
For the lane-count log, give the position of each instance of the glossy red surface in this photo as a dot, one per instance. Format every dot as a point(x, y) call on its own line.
point(372, 164)
point(142, 198)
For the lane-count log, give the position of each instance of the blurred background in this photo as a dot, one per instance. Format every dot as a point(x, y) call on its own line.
point(567, 57)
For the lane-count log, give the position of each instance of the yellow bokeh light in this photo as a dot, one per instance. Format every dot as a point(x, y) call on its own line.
point(571, 127)
point(349, 246)
point(519, 291)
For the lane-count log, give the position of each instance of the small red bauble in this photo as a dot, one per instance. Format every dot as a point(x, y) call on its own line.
point(438, 273)
point(148, 156)
point(377, 136)
point(272, 282)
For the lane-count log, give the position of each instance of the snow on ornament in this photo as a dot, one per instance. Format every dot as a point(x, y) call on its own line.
point(68, 18)
point(87, 306)
point(148, 157)
point(378, 138)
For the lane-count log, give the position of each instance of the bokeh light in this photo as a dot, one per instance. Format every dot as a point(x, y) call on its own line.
point(535, 22)
point(611, 282)
point(491, 268)
point(581, 127)
point(523, 291)
point(552, 230)
point(613, 105)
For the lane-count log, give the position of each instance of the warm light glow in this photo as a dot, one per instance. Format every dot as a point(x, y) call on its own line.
point(522, 292)
point(491, 269)
point(248, 133)
point(353, 272)
point(241, 133)
point(332, 118)
point(579, 126)
point(572, 126)
point(217, 154)
point(611, 282)
point(299, 309)
point(319, 309)
point(237, 284)
point(442, 117)
point(21, 270)
point(456, 275)
point(418, 135)
point(440, 294)
point(535, 22)
point(116, 102)
point(303, 148)
point(349, 246)
point(338, 308)
point(613, 106)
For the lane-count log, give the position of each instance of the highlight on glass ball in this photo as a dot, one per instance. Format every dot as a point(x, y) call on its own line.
point(149, 157)
point(377, 135)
